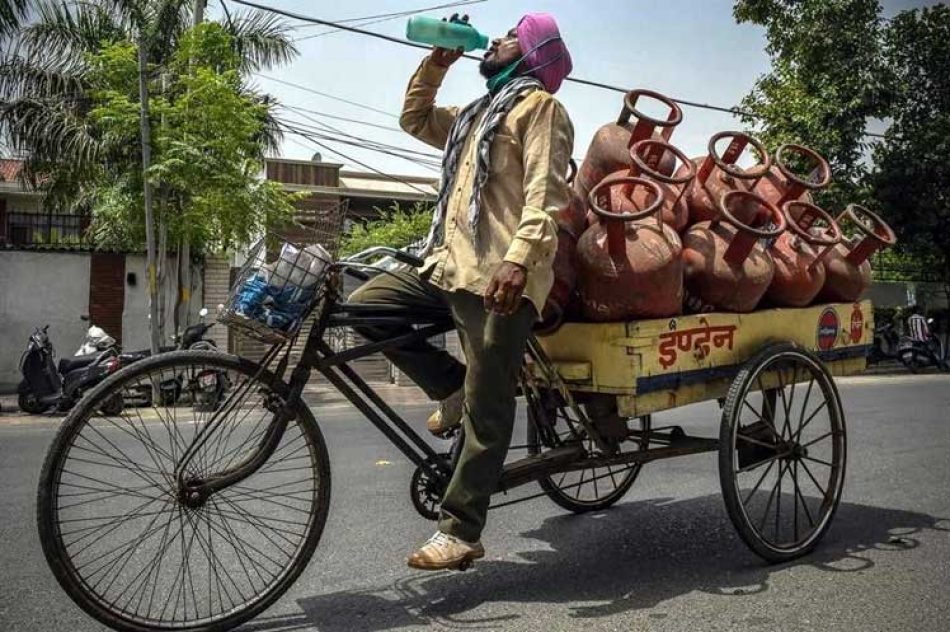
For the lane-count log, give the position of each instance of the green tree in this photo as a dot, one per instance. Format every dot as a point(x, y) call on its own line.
point(67, 99)
point(827, 80)
point(11, 13)
point(396, 227)
point(911, 176)
point(206, 148)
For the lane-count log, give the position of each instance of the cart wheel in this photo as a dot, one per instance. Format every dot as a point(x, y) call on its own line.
point(598, 487)
point(782, 452)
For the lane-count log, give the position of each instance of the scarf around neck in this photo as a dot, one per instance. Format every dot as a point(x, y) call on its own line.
point(498, 105)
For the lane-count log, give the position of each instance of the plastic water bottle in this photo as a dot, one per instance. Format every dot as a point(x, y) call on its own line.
point(450, 35)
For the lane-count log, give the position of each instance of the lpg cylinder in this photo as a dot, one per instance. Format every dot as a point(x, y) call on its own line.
point(571, 222)
point(717, 174)
point(798, 254)
point(629, 263)
point(609, 150)
point(646, 156)
point(727, 268)
point(848, 271)
point(782, 184)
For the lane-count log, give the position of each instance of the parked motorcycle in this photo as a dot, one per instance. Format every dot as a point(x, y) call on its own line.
point(47, 384)
point(918, 355)
point(887, 344)
point(207, 388)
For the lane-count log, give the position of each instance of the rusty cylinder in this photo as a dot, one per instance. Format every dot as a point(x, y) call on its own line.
point(798, 254)
point(782, 184)
point(629, 263)
point(609, 150)
point(646, 156)
point(727, 269)
point(716, 175)
point(848, 271)
point(571, 222)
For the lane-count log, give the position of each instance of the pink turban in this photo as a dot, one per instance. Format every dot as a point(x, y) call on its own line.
point(552, 59)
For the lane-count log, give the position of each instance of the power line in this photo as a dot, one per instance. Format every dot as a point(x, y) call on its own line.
point(295, 128)
point(328, 96)
point(336, 117)
point(388, 176)
point(337, 130)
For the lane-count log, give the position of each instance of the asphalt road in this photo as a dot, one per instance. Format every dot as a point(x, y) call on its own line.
point(665, 558)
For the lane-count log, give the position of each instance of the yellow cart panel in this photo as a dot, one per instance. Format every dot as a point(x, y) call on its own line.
point(657, 364)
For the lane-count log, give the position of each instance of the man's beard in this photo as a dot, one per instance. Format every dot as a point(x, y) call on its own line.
point(490, 67)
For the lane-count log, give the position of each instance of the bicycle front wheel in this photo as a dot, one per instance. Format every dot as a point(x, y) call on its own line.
point(122, 538)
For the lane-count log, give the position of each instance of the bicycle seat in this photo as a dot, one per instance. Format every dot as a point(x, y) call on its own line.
point(76, 362)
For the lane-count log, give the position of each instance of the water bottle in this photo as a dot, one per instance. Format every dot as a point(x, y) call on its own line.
point(450, 35)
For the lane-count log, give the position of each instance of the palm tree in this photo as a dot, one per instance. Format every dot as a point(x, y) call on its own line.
point(45, 89)
point(11, 13)
point(44, 98)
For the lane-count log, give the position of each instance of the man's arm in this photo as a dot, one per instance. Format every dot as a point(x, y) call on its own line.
point(547, 145)
point(421, 117)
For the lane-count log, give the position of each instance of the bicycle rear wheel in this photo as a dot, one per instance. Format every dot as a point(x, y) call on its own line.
point(115, 527)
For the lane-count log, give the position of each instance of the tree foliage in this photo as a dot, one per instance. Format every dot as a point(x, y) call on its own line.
point(911, 176)
point(72, 59)
point(206, 146)
point(827, 79)
point(396, 227)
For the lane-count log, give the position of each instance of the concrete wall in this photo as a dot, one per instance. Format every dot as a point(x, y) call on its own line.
point(36, 289)
point(135, 314)
point(39, 288)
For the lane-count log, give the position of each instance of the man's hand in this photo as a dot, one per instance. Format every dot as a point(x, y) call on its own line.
point(443, 56)
point(504, 290)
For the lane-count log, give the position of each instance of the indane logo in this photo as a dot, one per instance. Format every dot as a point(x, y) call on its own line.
point(828, 326)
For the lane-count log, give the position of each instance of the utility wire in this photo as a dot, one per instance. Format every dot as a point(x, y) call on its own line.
point(337, 130)
point(328, 96)
point(388, 176)
point(310, 135)
point(337, 117)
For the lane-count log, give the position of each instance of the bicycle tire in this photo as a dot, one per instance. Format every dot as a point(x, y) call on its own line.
point(50, 528)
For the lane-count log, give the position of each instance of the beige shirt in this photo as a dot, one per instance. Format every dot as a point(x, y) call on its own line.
point(525, 188)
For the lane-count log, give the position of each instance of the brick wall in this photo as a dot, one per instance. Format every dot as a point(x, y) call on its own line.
point(107, 292)
point(217, 270)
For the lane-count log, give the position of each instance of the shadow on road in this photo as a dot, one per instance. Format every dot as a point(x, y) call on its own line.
point(634, 556)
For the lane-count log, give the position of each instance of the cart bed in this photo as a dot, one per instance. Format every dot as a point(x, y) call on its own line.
point(653, 365)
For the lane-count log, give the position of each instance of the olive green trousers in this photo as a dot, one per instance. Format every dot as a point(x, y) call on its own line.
point(494, 347)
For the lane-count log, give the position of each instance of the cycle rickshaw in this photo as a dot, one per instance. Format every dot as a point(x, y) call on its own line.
point(179, 518)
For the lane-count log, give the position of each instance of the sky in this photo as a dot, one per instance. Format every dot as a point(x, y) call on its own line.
point(686, 49)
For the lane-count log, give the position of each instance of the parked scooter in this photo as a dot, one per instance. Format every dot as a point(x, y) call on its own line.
point(208, 388)
point(918, 355)
point(47, 384)
point(887, 344)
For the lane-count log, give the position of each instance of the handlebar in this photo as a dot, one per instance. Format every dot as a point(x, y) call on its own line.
point(384, 251)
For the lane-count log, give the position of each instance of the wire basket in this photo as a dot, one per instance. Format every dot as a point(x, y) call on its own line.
point(279, 286)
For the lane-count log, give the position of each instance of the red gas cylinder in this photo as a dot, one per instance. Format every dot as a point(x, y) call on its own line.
point(847, 265)
point(571, 222)
point(609, 150)
point(718, 174)
point(726, 267)
point(629, 264)
point(798, 253)
point(782, 184)
point(646, 156)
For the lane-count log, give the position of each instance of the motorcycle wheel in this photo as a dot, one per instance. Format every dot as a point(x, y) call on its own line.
point(113, 406)
point(29, 404)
